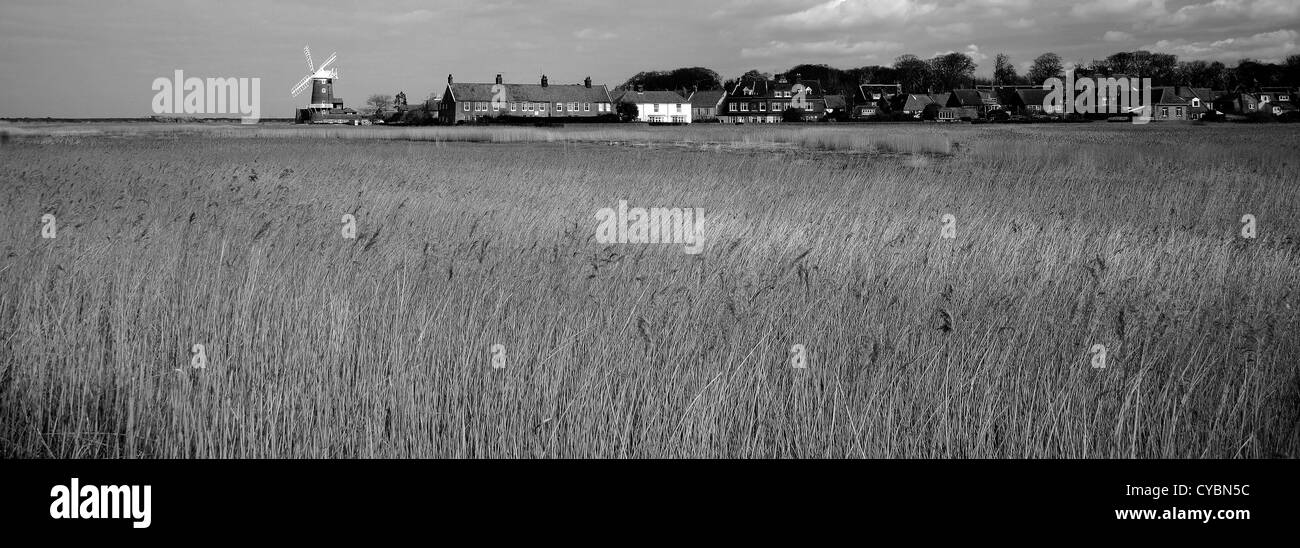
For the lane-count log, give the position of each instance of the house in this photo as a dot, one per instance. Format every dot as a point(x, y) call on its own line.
point(874, 99)
point(1279, 108)
point(1237, 102)
point(1030, 102)
point(656, 106)
point(914, 103)
point(972, 103)
point(1201, 100)
point(473, 102)
point(758, 101)
point(835, 104)
point(1277, 95)
point(1168, 105)
point(705, 105)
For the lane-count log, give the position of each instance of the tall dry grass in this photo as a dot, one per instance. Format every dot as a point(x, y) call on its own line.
point(918, 346)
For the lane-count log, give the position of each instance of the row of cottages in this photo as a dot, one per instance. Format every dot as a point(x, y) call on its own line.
point(473, 102)
point(656, 106)
point(763, 101)
point(1272, 100)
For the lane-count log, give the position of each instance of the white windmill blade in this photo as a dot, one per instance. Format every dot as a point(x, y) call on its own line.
point(307, 51)
point(301, 85)
point(327, 62)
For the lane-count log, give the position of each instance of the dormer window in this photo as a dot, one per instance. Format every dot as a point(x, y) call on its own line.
point(1284, 98)
point(1196, 102)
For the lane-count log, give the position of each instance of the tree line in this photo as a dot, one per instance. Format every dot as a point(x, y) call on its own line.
point(957, 70)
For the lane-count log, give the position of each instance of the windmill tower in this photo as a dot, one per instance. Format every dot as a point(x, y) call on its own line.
point(321, 80)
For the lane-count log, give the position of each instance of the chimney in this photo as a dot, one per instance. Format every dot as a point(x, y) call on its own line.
point(587, 82)
point(543, 80)
point(448, 78)
point(498, 78)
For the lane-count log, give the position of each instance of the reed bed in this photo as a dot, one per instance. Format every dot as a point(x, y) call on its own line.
point(916, 345)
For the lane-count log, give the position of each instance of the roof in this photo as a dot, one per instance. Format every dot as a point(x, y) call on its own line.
point(768, 88)
point(836, 101)
point(644, 97)
point(970, 98)
point(1032, 96)
point(1167, 96)
point(887, 90)
point(916, 101)
point(705, 99)
point(536, 93)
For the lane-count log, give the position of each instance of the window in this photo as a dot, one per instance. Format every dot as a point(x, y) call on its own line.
point(466, 107)
point(1164, 112)
point(762, 107)
point(679, 107)
point(656, 105)
point(586, 107)
point(573, 107)
point(1284, 98)
point(1178, 112)
point(559, 107)
point(514, 107)
point(1196, 102)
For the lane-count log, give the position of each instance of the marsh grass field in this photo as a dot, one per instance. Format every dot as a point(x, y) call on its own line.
point(1066, 237)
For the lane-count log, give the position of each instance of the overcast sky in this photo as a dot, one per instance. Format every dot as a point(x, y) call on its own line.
point(89, 58)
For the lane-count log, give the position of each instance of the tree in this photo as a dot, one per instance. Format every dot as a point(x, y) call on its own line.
point(1197, 74)
point(931, 111)
point(686, 79)
point(753, 74)
point(1292, 70)
point(628, 111)
point(1004, 73)
point(1047, 65)
point(913, 73)
point(378, 102)
point(952, 70)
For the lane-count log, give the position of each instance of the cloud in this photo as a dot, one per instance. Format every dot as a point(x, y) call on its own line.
point(841, 48)
point(1021, 24)
point(1230, 12)
point(1265, 46)
point(972, 50)
point(416, 16)
point(1128, 9)
point(593, 34)
point(1116, 36)
point(960, 28)
point(852, 13)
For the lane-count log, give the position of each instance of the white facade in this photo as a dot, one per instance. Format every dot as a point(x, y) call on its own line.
point(659, 106)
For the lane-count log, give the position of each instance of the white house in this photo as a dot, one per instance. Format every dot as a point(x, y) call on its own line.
point(657, 106)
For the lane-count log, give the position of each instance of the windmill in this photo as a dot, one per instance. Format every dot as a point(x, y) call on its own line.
point(321, 80)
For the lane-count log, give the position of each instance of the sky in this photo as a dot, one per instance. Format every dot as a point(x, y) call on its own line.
point(96, 58)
